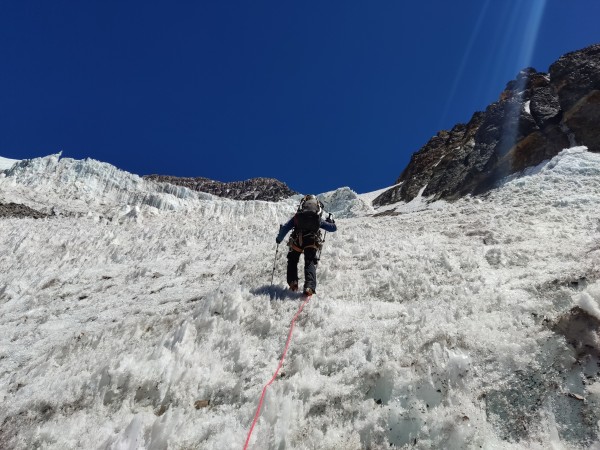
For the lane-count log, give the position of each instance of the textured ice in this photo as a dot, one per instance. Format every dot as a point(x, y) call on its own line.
point(589, 300)
point(144, 318)
point(345, 203)
point(88, 186)
point(6, 163)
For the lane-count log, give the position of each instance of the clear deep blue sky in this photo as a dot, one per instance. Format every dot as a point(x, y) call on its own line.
point(319, 94)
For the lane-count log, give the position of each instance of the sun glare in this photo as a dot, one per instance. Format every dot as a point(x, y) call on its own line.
point(530, 17)
point(461, 68)
point(512, 37)
point(530, 33)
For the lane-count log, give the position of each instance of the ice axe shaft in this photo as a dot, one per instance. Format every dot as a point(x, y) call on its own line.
point(275, 260)
point(274, 265)
point(323, 241)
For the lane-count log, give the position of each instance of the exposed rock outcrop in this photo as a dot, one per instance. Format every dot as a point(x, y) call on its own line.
point(536, 116)
point(268, 189)
point(19, 211)
point(581, 331)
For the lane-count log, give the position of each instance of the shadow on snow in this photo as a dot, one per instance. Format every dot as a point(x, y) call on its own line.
point(276, 292)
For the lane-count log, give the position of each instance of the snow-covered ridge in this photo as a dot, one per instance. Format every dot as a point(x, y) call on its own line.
point(53, 183)
point(345, 203)
point(88, 185)
point(6, 163)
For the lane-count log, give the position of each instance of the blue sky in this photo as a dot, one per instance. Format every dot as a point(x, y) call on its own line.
point(319, 94)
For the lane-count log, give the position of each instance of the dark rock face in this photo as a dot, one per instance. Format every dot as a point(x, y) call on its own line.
point(575, 75)
point(19, 211)
point(441, 152)
point(583, 120)
point(536, 116)
point(268, 189)
point(581, 331)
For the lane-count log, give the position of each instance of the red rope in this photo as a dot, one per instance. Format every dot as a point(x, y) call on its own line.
point(262, 397)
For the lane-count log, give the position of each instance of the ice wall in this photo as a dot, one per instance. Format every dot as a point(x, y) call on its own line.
point(345, 203)
point(6, 163)
point(88, 185)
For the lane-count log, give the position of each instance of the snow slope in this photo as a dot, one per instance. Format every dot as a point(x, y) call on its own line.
point(6, 163)
point(124, 314)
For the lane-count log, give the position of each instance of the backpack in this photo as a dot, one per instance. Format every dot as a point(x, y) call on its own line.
point(308, 216)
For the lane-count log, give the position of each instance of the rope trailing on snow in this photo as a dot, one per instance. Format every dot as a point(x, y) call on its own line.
point(264, 391)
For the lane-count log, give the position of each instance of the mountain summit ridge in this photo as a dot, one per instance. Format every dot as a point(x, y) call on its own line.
point(269, 189)
point(536, 116)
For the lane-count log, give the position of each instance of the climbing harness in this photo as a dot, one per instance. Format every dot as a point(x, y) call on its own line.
point(296, 241)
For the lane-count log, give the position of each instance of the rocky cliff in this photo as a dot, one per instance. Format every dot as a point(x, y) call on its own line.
point(19, 211)
point(268, 189)
point(536, 116)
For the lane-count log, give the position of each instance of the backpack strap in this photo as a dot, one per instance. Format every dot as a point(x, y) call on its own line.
point(296, 241)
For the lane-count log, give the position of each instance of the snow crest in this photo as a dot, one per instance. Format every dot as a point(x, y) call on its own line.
point(345, 203)
point(6, 163)
point(87, 185)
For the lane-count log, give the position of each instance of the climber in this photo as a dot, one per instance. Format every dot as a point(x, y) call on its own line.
point(306, 238)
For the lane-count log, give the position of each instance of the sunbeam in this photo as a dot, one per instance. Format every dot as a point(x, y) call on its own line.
point(533, 15)
point(461, 68)
point(513, 29)
point(521, 31)
point(531, 30)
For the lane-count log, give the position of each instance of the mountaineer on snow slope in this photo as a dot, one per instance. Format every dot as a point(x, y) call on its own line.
point(306, 238)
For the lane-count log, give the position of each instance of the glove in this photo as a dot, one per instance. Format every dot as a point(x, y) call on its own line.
point(278, 240)
point(330, 220)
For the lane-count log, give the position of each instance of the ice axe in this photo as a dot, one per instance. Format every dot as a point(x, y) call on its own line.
point(275, 261)
point(274, 265)
point(324, 236)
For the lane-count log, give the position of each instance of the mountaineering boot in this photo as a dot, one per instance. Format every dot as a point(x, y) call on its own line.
point(293, 286)
point(308, 291)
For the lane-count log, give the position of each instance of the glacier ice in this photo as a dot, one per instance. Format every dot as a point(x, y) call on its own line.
point(435, 328)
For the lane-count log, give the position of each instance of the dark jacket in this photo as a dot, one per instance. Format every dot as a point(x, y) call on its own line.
point(285, 229)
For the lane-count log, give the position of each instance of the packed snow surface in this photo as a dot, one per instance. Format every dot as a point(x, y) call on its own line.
point(6, 163)
point(141, 316)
